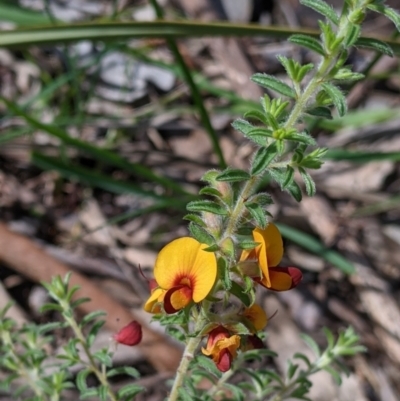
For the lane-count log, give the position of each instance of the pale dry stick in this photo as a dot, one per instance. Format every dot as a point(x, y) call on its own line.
point(25, 257)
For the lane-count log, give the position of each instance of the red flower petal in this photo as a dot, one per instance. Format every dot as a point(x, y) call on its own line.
point(130, 335)
point(225, 361)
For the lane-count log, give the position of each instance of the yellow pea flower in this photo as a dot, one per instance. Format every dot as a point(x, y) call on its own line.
point(268, 254)
point(184, 272)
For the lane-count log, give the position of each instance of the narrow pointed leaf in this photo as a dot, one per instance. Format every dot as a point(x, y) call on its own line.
point(308, 42)
point(206, 206)
point(337, 97)
point(263, 158)
point(270, 82)
point(375, 44)
point(322, 8)
point(387, 12)
point(201, 234)
point(258, 214)
point(233, 175)
point(308, 181)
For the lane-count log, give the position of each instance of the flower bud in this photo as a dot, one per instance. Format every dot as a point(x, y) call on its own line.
point(222, 347)
point(129, 335)
point(228, 247)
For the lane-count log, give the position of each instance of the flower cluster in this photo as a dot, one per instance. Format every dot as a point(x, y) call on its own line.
point(186, 273)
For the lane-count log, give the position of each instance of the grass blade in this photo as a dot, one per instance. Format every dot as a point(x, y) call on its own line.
point(95, 179)
point(99, 154)
point(360, 156)
point(313, 245)
point(198, 100)
point(63, 33)
point(22, 16)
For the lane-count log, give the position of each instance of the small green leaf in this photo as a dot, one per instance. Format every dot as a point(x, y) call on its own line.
point(345, 74)
point(270, 82)
point(243, 126)
point(322, 8)
point(375, 44)
point(352, 36)
point(312, 344)
point(81, 380)
point(239, 293)
point(308, 181)
point(387, 12)
point(210, 191)
point(130, 390)
point(288, 177)
point(212, 248)
point(337, 97)
point(329, 336)
point(91, 316)
point(262, 158)
point(261, 198)
point(91, 336)
point(334, 374)
point(247, 244)
point(206, 206)
point(210, 175)
point(223, 269)
point(208, 364)
point(195, 218)
point(256, 115)
point(308, 42)
point(295, 191)
point(304, 70)
point(301, 137)
point(102, 392)
point(258, 214)
point(237, 393)
point(292, 368)
point(233, 175)
point(320, 111)
point(303, 357)
point(124, 370)
point(262, 133)
point(201, 234)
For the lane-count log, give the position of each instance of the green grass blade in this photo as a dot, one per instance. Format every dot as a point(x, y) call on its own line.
point(22, 16)
point(132, 214)
point(198, 100)
point(13, 134)
point(99, 154)
point(64, 33)
point(387, 205)
point(360, 156)
point(96, 179)
point(313, 245)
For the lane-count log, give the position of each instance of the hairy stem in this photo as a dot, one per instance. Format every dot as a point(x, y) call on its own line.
point(187, 356)
point(101, 376)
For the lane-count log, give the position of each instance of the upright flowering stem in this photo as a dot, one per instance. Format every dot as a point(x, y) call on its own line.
point(300, 105)
point(100, 374)
point(187, 356)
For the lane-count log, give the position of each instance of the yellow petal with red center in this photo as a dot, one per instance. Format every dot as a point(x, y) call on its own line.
point(257, 316)
point(283, 278)
point(151, 304)
point(270, 250)
point(177, 298)
point(184, 262)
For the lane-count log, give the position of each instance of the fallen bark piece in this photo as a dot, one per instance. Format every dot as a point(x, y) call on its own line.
point(25, 257)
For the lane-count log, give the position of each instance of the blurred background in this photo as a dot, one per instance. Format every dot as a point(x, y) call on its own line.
point(103, 142)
